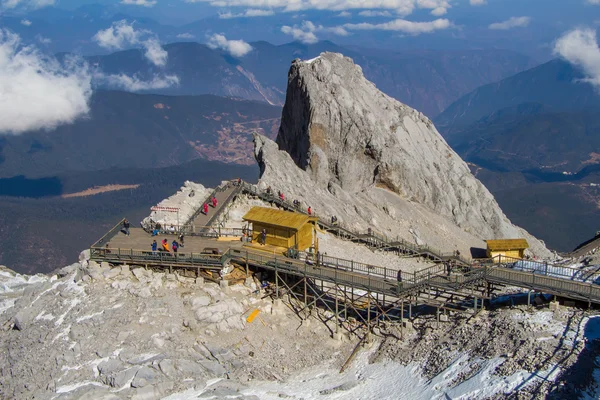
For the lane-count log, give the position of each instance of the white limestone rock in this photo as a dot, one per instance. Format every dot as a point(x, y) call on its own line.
point(349, 150)
point(188, 199)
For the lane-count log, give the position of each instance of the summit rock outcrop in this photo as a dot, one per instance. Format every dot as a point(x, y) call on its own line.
point(354, 142)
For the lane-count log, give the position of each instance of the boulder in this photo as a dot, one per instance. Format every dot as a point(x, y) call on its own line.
point(189, 368)
point(153, 392)
point(214, 368)
point(121, 378)
point(200, 301)
point(109, 366)
point(145, 376)
point(112, 273)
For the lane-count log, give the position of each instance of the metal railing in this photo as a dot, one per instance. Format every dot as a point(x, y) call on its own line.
point(109, 235)
point(162, 257)
point(553, 279)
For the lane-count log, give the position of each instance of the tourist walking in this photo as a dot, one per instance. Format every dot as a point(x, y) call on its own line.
point(205, 209)
point(214, 202)
point(263, 236)
point(309, 210)
point(154, 247)
point(181, 236)
point(174, 246)
point(165, 246)
point(126, 226)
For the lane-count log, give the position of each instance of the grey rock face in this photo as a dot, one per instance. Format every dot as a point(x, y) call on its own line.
point(350, 138)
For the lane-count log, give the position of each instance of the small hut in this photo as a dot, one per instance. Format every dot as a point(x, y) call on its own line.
point(284, 228)
point(514, 248)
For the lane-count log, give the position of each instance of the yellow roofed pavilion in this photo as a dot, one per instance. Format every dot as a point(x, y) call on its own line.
point(284, 228)
point(514, 248)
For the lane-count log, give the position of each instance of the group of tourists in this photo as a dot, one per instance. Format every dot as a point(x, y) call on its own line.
point(164, 247)
point(213, 202)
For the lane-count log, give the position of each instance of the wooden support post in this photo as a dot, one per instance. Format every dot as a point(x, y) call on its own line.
point(368, 313)
point(345, 303)
point(401, 312)
point(529, 298)
point(337, 319)
point(276, 281)
point(305, 294)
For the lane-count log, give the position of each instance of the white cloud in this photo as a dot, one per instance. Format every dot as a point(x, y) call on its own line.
point(155, 53)
point(306, 33)
point(37, 91)
point(43, 40)
point(580, 48)
point(237, 48)
point(185, 36)
point(344, 14)
point(477, 2)
point(143, 3)
point(512, 22)
point(26, 22)
point(253, 12)
point(119, 35)
point(594, 2)
point(400, 7)
point(134, 83)
point(371, 13)
point(307, 37)
point(402, 25)
point(28, 4)
point(122, 34)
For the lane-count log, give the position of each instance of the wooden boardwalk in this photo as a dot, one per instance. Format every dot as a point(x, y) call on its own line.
point(532, 275)
point(141, 240)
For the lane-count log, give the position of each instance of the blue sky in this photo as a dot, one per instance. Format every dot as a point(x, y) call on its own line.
point(529, 26)
point(40, 92)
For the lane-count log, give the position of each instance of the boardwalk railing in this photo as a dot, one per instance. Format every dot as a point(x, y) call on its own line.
point(370, 237)
point(564, 281)
point(158, 257)
point(109, 235)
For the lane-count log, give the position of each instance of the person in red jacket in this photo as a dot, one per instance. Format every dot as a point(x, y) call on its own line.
point(309, 210)
point(205, 209)
point(214, 202)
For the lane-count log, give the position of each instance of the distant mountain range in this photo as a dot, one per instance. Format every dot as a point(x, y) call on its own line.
point(142, 131)
point(426, 80)
point(534, 140)
point(543, 118)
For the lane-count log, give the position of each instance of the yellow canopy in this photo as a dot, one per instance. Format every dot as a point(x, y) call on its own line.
point(278, 218)
point(507, 244)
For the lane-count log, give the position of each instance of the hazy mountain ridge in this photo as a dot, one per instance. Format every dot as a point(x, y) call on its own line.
point(410, 76)
point(142, 131)
point(533, 141)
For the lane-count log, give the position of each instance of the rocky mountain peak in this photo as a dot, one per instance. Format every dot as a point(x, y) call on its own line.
point(350, 139)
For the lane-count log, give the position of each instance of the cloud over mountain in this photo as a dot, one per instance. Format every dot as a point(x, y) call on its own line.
point(135, 83)
point(143, 3)
point(580, 48)
point(400, 7)
point(253, 12)
point(512, 22)
point(237, 48)
point(306, 32)
point(37, 91)
point(27, 4)
point(122, 34)
point(402, 25)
